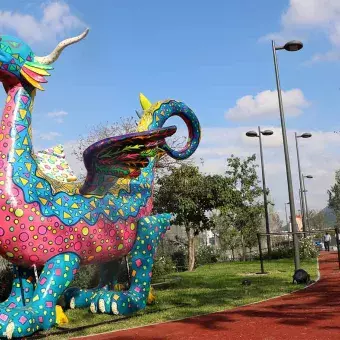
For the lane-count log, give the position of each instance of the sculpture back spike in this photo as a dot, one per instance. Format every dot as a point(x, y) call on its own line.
point(144, 102)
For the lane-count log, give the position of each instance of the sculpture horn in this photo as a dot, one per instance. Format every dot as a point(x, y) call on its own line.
point(144, 102)
point(51, 58)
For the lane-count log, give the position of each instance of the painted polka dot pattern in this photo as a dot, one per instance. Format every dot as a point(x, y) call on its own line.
point(48, 224)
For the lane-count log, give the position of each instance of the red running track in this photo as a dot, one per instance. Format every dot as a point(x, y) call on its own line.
point(312, 313)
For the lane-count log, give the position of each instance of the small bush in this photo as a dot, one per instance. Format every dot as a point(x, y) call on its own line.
point(6, 279)
point(308, 249)
point(206, 255)
point(162, 266)
point(180, 259)
point(86, 277)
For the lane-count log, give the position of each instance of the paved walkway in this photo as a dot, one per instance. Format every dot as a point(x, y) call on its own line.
point(313, 314)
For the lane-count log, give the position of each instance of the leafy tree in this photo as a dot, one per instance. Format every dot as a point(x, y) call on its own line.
point(244, 210)
point(275, 222)
point(229, 236)
point(334, 196)
point(317, 220)
point(190, 196)
point(125, 126)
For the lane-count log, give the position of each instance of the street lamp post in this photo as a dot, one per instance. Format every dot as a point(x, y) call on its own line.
point(265, 201)
point(305, 196)
point(303, 210)
point(287, 221)
point(289, 46)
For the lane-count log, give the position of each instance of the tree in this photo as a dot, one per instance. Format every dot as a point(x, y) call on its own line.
point(122, 127)
point(244, 209)
point(317, 220)
point(334, 196)
point(190, 196)
point(228, 235)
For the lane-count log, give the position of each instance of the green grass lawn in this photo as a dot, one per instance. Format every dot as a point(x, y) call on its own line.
point(209, 288)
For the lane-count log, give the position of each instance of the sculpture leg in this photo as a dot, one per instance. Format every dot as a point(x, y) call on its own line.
point(79, 298)
point(22, 288)
point(40, 313)
point(150, 230)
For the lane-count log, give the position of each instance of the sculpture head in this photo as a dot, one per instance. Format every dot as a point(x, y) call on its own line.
point(18, 63)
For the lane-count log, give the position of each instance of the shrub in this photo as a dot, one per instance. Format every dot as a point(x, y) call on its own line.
point(86, 277)
point(205, 255)
point(180, 259)
point(162, 266)
point(6, 279)
point(308, 249)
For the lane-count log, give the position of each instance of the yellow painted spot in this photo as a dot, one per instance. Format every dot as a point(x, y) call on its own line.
point(133, 273)
point(121, 212)
point(58, 201)
point(74, 206)
point(9, 254)
point(121, 246)
point(116, 297)
point(66, 215)
point(43, 200)
point(28, 166)
point(39, 186)
point(23, 181)
point(19, 152)
point(31, 227)
point(19, 213)
point(22, 113)
point(85, 231)
point(98, 249)
point(132, 226)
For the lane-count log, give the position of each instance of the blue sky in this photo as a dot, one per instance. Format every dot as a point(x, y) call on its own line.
point(210, 55)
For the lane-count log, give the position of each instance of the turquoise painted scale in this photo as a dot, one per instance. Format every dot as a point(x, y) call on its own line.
point(72, 208)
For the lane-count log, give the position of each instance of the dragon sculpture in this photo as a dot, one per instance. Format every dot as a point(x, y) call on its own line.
point(52, 224)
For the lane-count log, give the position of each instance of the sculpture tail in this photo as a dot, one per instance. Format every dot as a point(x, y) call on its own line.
point(172, 108)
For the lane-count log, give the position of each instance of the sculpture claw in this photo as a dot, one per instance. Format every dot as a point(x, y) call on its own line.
point(101, 305)
point(73, 303)
point(10, 330)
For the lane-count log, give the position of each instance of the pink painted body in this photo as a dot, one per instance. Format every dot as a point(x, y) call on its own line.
point(27, 237)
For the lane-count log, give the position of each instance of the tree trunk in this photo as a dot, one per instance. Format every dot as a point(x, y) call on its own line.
point(243, 248)
point(233, 254)
point(191, 250)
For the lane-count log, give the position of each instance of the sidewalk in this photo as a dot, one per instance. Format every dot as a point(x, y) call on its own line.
point(312, 313)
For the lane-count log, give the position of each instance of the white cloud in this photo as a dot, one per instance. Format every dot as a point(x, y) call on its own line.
point(307, 17)
point(48, 136)
point(265, 105)
point(56, 20)
point(57, 116)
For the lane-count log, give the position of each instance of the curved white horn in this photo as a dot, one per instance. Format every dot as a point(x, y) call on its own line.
point(51, 58)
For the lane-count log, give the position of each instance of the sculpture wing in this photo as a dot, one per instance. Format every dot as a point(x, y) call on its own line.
point(120, 157)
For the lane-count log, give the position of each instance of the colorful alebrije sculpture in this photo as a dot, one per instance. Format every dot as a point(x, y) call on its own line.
point(52, 223)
